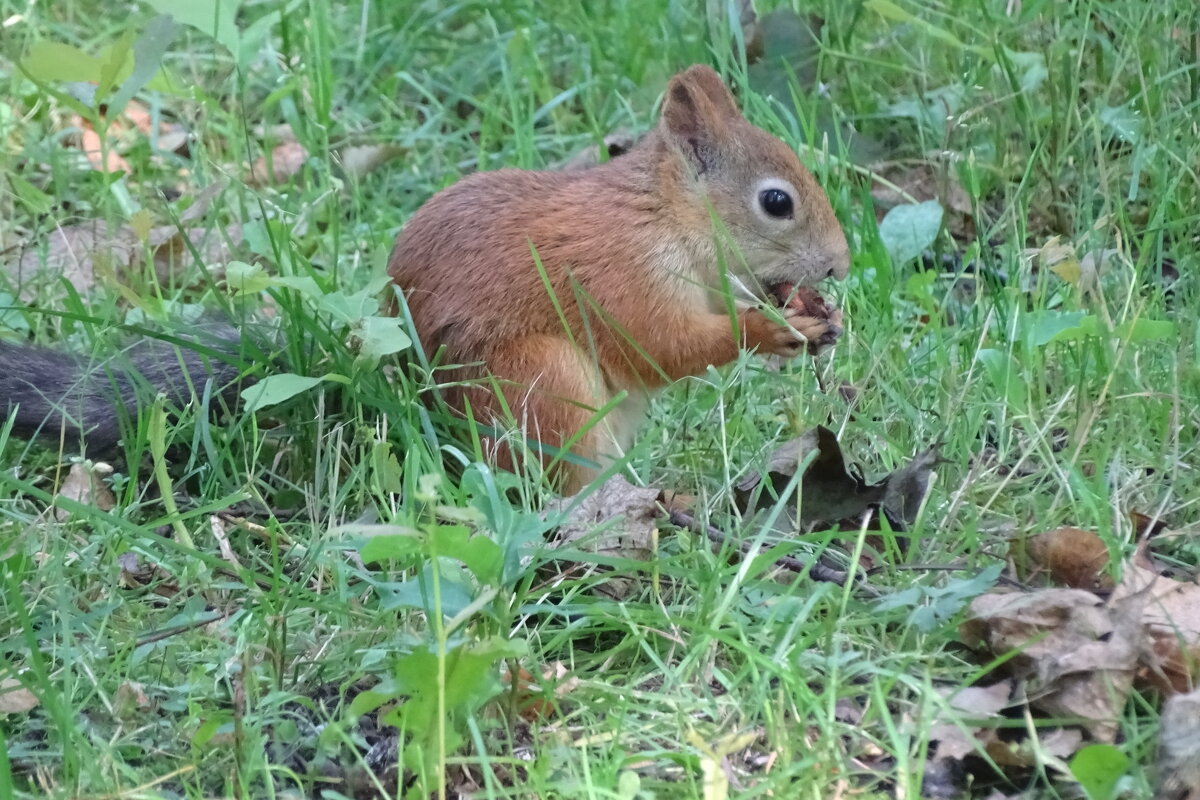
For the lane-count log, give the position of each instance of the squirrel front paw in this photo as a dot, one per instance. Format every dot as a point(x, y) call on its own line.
point(767, 336)
point(821, 332)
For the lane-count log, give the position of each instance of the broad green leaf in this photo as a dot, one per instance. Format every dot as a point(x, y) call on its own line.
point(1039, 328)
point(215, 18)
point(892, 11)
point(1123, 122)
point(275, 389)
point(382, 336)
point(148, 51)
point(909, 230)
point(1146, 330)
point(392, 546)
point(11, 318)
point(245, 278)
point(33, 198)
point(58, 61)
point(1098, 767)
point(116, 65)
point(479, 553)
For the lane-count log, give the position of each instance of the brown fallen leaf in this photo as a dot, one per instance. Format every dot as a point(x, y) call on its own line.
point(130, 699)
point(15, 698)
point(919, 181)
point(1076, 655)
point(538, 698)
point(1171, 621)
point(92, 147)
point(358, 161)
point(617, 520)
point(831, 494)
point(956, 732)
point(219, 529)
point(135, 574)
point(284, 162)
point(615, 144)
point(80, 252)
point(1179, 748)
point(85, 484)
point(1072, 557)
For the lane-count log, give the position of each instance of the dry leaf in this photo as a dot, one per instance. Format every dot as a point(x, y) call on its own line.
point(921, 181)
point(1073, 557)
point(1179, 748)
point(285, 162)
point(617, 519)
point(217, 525)
point(832, 494)
point(129, 699)
point(1171, 619)
point(78, 252)
point(93, 149)
point(957, 740)
point(16, 699)
point(533, 700)
point(1076, 654)
point(85, 484)
point(615, 144)
point(360, 160)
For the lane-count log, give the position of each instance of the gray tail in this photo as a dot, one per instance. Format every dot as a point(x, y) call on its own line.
point(51, 394)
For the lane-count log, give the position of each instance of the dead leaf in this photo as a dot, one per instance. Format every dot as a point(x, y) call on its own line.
point(832, 494)
point(79, 252)
point(1072, 557)
point(954, 732)
point(285, 161)
point(217, 525)
point(92, 146)
point(920, 181)
point(358, 161)
point(129, 699)
point(1076, 655)
point(135, 574)
point(615, 144)
point(85, 484)
point(1145, 527)
point(534, 699)
point(617, 519)
point(1171, 620)
point(1179, 748)
point(15, 698)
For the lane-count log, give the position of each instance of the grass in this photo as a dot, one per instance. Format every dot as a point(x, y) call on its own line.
point(167, 669)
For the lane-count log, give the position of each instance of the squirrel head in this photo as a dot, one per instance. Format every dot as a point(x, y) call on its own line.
point(776, 216)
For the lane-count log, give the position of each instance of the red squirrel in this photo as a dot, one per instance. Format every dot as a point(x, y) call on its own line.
point(559, 290)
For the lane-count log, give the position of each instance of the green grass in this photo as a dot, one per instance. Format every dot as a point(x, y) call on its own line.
point(197, 677)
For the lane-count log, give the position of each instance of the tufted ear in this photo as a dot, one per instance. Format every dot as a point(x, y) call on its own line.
point(696, 114)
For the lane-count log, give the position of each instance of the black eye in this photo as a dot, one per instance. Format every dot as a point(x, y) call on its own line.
point(776, 202)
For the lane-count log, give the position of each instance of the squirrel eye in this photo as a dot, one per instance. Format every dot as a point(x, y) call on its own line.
point(776, 202)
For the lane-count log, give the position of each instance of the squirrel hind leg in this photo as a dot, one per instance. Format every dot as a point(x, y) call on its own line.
point(552, 392)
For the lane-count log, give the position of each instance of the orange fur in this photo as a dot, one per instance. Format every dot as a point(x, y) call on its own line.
point(627, 297)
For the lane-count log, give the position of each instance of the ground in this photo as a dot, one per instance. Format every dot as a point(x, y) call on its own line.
point(327, 595)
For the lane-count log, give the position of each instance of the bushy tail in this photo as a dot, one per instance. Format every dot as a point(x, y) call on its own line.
point(52, 394)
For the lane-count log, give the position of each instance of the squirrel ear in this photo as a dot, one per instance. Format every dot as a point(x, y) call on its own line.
point(695, 111)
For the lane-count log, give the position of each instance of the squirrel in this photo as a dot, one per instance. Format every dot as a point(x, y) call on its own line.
point(552, 292)
point(556, 291)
